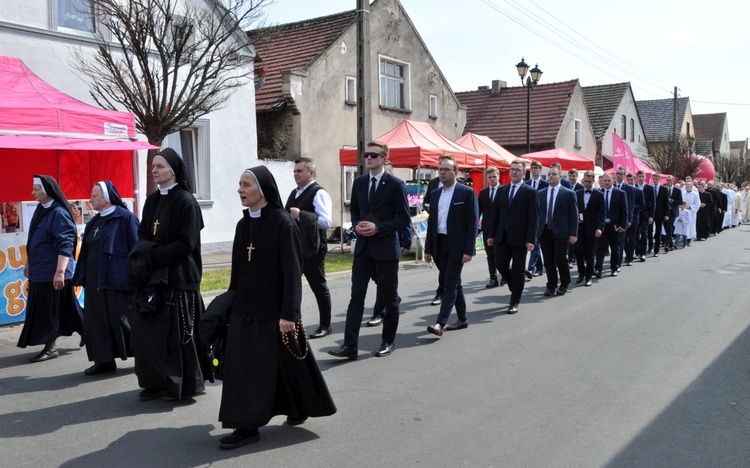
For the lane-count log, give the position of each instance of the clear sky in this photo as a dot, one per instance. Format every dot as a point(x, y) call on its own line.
point(700, 47)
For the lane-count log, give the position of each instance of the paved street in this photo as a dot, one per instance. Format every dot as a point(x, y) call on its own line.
point(649, 369)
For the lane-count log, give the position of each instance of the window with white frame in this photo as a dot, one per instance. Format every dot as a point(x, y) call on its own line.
point(577, 133)
point(394, 84)
point(193, 145)
point(632, 129)
point(433, 106)
point(351, 90)
point(350, 173)
point(75, 16)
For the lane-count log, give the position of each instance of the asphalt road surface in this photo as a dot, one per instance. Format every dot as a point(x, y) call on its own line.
point(648, 369)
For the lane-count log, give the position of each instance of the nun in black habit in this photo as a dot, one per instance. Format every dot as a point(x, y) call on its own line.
point(100, 269)
point(52, 308)
point(169, 357)
point(267, 371)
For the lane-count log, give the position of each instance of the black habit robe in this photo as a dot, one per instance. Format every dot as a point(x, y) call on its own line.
point(262, 378)
point(168, 355)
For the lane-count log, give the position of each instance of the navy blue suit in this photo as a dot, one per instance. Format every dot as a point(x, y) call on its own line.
point(448, 249)
point(593, 220)
point(661, 211)
point(649, 207)
point(632, 232)
point(535, 262)
point(513, 226)
point(554, 234)
point(617, 216)
point(485, 208)
point(630, 195)
point(675, 200)
point(378, 255)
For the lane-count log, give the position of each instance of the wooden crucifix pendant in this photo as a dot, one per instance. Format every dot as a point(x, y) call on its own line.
point(156, 226)
point(250, 252)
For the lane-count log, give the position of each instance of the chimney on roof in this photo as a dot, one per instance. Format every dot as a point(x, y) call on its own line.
point(483, 88)
point(497, 85)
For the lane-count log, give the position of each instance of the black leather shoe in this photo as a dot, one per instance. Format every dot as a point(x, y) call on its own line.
point(320, 332)
point(614, 273)
point(151, 393)
point(588, 282)
point(598, 273)
point(436, 329)
point(437, 300)
point(538, 273)
point(549, 292)
point(656, 254)
point(375, 321)
point(345, 351)
point(492, 284)
point(239, 438)
point(561, 291)
point(45, 355)
point(502, 281)
point(385, 349)
point(290, 421)
point(101, 368)
point(512, 308)
point(580, 279)
point(529, 274)
point(642, 259)
point(629, 263)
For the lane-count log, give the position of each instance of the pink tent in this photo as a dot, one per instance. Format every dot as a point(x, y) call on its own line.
point(497, 156)
point(417, 144)
point(45, 131)
point(567, 159)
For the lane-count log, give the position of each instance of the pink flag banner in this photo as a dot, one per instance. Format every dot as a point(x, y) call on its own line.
point(621, 154)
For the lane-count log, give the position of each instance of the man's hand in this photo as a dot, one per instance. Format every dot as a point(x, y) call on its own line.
point(286, 326)
point(294, 211)
point(466, 258)
point(428, 258)
point(598, 233)
point(530, 247)
point(572, 239)
point(366, 229)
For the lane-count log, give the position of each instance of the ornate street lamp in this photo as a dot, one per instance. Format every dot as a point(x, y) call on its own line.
point(529, 82)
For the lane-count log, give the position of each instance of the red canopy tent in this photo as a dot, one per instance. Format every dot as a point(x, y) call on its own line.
point(497, 156)
point(45, 131)
point(567, 159)
point(417, 144)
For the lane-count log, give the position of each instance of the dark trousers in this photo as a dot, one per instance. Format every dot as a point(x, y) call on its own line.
point(441, 280)
point(584, 248)
point(363, 269)
point(669, 230)
point(490, 251)
point(610, 238)
point(535, 259)
point(631, 236)
point(516, 277)
point(315, 273)
point(555, 253)
point(658, 222)
point(453, 293)
point(642, 240)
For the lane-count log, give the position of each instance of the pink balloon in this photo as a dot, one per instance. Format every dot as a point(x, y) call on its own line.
point(706, 170)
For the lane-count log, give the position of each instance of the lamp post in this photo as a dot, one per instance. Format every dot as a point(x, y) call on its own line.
point(531, 80)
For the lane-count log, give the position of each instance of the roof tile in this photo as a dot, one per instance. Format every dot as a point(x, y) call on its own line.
point(657, 116)
point(602, 103)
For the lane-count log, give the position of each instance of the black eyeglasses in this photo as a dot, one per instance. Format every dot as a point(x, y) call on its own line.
point(372, 155)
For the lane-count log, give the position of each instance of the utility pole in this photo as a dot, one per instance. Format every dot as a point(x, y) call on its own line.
point(364, 108)
point(674, 124)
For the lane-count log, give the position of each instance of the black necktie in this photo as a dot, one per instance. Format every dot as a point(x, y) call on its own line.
point(549, 207)
point(607, 202)
point(492, 194)
point(372, 188)
point(512, 191)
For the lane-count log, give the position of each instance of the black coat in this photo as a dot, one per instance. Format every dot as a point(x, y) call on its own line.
point(521, 216)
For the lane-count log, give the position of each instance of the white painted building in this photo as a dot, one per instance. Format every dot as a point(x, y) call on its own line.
point(44, 33)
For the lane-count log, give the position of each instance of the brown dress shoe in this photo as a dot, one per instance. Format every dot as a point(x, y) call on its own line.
point(457, 325)
point(436, 329)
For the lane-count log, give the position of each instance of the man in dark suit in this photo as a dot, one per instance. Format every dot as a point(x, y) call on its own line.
point(646, 217)
point(590, 226)
point(536, 182)
point(573, 179)
point(379, 210)
point(451, 241)
point(661, 210)
point(620, 184)
point(615, 223)
point(486, 197)
point(310, 203)
point(514, 230)
point(675, 200)
point(563, 182)
point(631, 236)
point(556, 229)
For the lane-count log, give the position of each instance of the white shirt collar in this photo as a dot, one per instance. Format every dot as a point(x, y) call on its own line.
point(49, 203)
point(108, 211)
point(166, 190)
